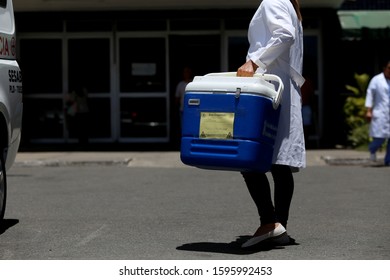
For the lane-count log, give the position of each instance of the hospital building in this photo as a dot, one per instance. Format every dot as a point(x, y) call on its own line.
point(129, 56)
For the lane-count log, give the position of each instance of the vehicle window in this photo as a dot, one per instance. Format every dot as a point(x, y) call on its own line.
point(6, 18)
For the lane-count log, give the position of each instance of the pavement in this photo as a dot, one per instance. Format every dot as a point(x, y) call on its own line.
point(182, 213)
point(171, 159)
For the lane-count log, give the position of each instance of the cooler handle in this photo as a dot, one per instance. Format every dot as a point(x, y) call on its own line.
point(268, 77)
point(278, 98)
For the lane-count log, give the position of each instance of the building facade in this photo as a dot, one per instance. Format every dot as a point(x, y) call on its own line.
point(129, 57)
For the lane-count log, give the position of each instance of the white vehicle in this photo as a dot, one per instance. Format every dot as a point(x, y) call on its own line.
point(11, 106)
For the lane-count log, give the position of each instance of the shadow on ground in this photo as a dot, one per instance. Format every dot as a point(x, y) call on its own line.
point(6, 224)
point(233, 247)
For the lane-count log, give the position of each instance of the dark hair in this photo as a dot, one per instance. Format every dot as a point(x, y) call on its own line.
point(295, 4)
point(385, 63)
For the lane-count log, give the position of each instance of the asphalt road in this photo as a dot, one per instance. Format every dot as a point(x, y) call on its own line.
point(124, 212)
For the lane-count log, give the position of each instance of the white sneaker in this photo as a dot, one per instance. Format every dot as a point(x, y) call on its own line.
point(373, 157)
point(279, 233)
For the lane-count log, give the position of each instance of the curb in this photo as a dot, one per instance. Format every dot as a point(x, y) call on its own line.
point(354, 162)
point(58, 163)
point(172, 159)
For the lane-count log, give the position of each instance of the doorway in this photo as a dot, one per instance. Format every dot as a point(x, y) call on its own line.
point(202, 54)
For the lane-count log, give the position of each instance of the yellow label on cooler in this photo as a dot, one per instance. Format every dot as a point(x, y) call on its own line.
point(216, 125)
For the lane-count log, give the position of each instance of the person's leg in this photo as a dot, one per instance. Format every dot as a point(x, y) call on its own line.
point(284, 189)
point(269, 228)
point(259, 189)
point(375, 144)
point(387, 156)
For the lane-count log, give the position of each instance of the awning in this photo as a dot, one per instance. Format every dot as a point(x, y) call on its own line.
point(369, 24)
point(364, 19)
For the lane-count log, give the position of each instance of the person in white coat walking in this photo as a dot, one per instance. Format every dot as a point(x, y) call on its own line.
point(276, 47)
point(378, 111)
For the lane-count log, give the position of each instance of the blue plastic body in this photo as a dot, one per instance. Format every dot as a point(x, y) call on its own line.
point(254, 131)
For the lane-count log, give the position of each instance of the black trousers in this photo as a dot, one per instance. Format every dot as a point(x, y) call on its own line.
point(260, 191)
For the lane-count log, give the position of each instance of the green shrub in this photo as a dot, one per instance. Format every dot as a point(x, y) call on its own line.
point(355, 111)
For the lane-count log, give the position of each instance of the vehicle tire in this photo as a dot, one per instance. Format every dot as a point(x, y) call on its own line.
point(3, 186)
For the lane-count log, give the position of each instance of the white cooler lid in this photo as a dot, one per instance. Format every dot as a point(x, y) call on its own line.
point(228, 82)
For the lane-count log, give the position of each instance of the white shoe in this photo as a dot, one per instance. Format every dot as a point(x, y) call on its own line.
point(373, 157)
point(278, 234)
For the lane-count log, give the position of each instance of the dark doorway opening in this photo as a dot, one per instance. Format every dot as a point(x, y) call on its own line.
point(201, 53)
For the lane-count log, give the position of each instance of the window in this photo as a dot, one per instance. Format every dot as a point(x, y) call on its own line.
point(142, 25)
point(237, 51)
point(195, 24)
point(89, 64)
point(143, 117)
point(142, 65)
point(3, 3)
point(41, 63)
point(44, 118)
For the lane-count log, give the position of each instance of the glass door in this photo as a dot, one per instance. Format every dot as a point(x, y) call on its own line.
point(312, 90)
point(143, 97)
point(89, 88)
point(57, 68)
point(40, 59)
point(197, 54)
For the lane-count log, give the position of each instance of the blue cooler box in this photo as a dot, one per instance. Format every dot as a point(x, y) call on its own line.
point(229, 122)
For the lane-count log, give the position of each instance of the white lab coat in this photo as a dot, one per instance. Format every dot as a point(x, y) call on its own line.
point(378, 98)
point(276, 45)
